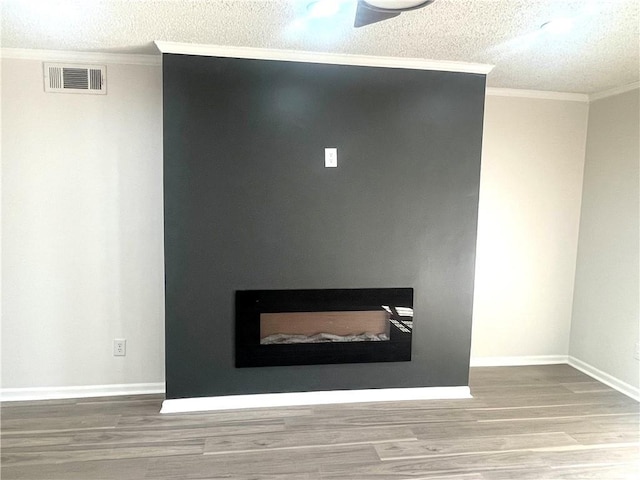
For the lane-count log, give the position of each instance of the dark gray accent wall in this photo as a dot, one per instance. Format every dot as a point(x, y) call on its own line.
point(249, 205)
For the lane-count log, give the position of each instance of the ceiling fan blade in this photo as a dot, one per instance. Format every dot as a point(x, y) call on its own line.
point(366, 15)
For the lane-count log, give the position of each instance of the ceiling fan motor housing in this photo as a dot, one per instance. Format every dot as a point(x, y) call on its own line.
point(373, 11)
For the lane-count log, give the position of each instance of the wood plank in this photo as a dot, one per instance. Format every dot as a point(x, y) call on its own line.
point(423, 476)
point(553, 411)
point(273, 462)
point(603, 472)
point(594, 438)
point(355, 418)
point(130, 469)
point(440, 447)
point(149, 435)
point(131, 407)
point(482, 462)
point(58, 424)
point(623, 423)
point(425, 467)
point(530, 391)
point(473, 429)
point(57, 454)
point(400, 406)
point(526, 375)
point(34, 440)
point(588, 455)
point(541, 400)
point(191, 420)
point(588, 387)
point(305, 439)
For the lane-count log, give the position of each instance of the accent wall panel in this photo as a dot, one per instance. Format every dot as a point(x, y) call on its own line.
point(249, 205)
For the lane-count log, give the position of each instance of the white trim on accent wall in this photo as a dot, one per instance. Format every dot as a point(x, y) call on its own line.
point(319, 57)
point(613, 382)
point(540, 94)
point(613, 91)
point(518, 361)
point(234, 402)
point(50, 393)
point(83, 57)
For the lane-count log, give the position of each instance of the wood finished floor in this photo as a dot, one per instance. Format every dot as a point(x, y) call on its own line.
point(542, 422)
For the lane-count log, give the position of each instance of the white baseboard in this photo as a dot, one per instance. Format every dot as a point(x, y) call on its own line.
point(613, 382)
point(233, 402)
point(518, 361)
point(54, 393)
point(309, 398)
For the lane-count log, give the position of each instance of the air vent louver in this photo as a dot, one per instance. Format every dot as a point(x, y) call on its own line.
point(55, 77)
point(95, 79)
point(89, 79)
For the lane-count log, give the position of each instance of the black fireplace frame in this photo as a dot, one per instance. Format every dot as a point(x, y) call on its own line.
point(249, 304)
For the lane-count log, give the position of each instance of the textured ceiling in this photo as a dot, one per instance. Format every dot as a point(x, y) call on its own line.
point(600, 52)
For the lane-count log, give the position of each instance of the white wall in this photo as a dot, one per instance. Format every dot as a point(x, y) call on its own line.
point(82, 228)
point(82, 251)
point(529, 211)
point(606, 316)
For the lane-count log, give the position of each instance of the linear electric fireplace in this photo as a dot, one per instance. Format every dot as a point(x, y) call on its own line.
point(307, 327)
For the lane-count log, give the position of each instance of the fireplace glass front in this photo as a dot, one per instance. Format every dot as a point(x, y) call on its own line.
point(301, 327)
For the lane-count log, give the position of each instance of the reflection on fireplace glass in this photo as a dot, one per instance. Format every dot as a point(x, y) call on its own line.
point(334, 326)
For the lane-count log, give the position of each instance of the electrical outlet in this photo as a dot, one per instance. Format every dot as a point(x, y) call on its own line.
point(330, 157)
point(119, 347)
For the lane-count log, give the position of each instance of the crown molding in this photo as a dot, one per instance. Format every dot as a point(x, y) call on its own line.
point(303, 56)
point(318, 57)
point(614, 91)
point(83, 57)
point(538, 94)
point(566, 96)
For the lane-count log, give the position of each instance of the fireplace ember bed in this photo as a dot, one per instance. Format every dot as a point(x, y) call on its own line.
point(328, 326)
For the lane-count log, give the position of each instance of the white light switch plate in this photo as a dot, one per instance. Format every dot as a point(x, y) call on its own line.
point(330, 157)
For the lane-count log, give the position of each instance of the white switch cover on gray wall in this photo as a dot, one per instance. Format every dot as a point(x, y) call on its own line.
point(330, 157)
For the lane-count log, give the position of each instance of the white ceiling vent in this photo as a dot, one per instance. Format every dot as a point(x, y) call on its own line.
point(69, 78)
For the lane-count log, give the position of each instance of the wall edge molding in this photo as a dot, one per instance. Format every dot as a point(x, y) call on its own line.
point(80, 57)
point(613, 91)
point(326, 397)
point(607, 379)
point(537, 94)
point(320, 57)
point(520, 360)
point(55, 393)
